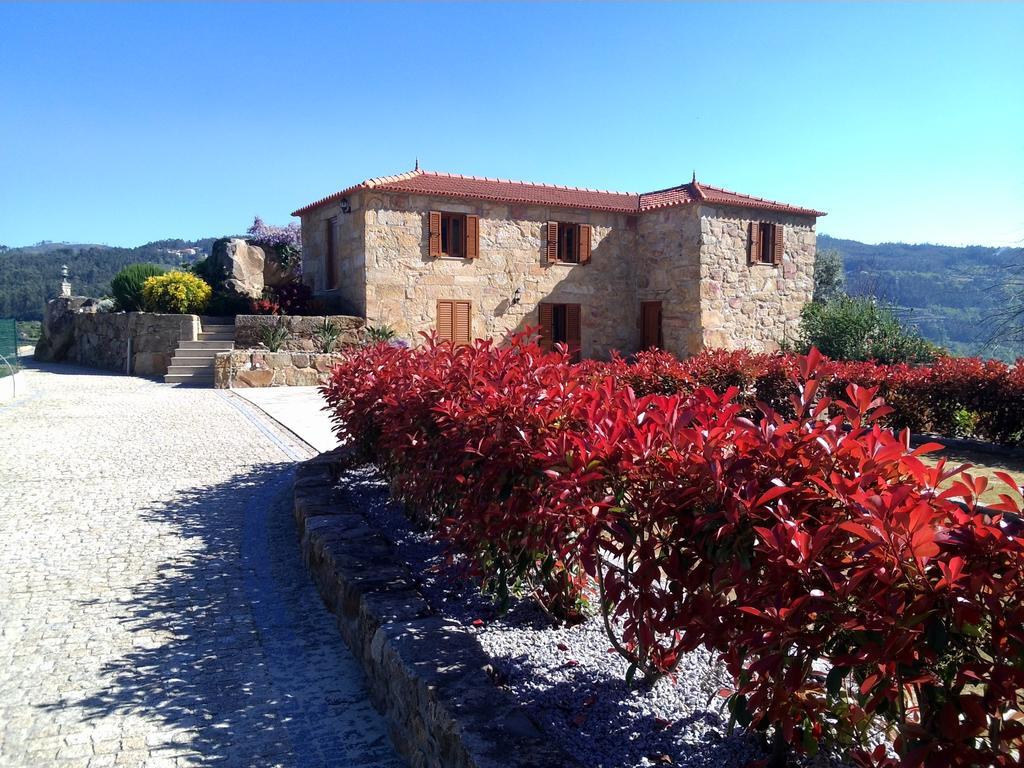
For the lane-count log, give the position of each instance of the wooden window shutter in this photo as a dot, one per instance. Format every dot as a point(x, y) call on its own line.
point(445, 321)
point(572, 330)
point(778, 245)
point(546, 318)
point(472, 237)
point(462, 325)
point(552, 234)
point(754, 254)
point(584, 244)
point(434, 232)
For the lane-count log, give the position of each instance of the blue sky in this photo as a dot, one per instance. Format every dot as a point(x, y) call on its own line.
point(122, 124)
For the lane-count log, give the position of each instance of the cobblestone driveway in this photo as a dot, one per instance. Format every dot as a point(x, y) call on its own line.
point(153, 607)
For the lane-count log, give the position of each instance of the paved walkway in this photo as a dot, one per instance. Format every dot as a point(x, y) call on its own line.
point(300, 409)
point(153, 607)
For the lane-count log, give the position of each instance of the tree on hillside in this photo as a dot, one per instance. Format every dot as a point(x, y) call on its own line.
point(829, 278)
point(861, 328)
point(1006, 322)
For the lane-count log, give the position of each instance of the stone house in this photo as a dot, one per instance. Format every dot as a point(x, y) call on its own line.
point(682, 268)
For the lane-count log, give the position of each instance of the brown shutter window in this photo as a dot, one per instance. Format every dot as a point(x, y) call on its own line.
point(778, 244)
point(552, 239)
point(472, 237)
point(445, 321)
point(584, 244)
point(572, 330)
point(754, 254)
point(546, 319)
point(455, 321)
point(462, 324)
point(434, 234)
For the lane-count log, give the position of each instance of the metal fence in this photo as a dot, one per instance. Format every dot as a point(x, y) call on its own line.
point(8, 341)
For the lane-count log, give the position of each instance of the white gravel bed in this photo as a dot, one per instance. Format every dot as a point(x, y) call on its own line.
point(568, 679)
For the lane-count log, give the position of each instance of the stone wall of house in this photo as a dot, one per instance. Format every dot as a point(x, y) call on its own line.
point(403, 283)
point(668, 270)
point(243, 368)
point(691, 258)
point(105, 340)
point(350, 294)
point(752, 306)
point(302, 330)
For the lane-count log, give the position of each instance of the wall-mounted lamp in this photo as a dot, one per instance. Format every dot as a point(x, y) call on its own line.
point(517, 296)
point(346, 207)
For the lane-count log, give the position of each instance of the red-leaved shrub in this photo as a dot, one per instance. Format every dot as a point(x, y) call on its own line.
point(755, 505)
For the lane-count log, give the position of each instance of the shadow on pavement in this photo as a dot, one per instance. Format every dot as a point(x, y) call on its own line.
point(234, 654)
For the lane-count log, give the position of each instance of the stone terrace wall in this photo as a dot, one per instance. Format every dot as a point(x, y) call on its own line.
point(301, 330)
point(259, 368)
point(101, 340)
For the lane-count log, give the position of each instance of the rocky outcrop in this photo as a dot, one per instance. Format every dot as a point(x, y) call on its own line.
point(58, 329)
point(242, 264)
point(247, 268)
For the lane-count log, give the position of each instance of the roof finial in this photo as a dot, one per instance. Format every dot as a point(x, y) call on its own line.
point(694, 179)
point(417, 164)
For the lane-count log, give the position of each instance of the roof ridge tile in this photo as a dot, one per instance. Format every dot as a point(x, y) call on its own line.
point(544, 185)
point(498, 190)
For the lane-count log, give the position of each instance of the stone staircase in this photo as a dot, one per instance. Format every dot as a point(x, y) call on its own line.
point(192, 363)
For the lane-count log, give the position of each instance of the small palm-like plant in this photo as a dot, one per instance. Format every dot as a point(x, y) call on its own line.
point(326, 335)
point(274, 336)
point(375, 334)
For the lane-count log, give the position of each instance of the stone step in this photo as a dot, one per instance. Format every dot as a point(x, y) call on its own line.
point(203, 366)
point(184, 370)
point(205, 350)
point(216, 345)
point(189, 379)
point(198, 361)
point(205, 353)
point(216, 336)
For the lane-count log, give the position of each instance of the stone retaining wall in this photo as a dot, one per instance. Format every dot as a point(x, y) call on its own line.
point(301, 330)
point(102, 340)
point(75, 331)
point(426, 674)
point(261, 368)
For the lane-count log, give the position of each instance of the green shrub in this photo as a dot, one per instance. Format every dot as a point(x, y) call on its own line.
point(176, 293)
point(829, 276)
point(126, 286)
point(861, 328)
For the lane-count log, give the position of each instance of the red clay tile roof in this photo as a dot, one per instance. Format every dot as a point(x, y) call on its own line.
point(419, 182)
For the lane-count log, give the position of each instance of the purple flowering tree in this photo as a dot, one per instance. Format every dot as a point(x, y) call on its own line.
point(262, 233)
point(286, 242)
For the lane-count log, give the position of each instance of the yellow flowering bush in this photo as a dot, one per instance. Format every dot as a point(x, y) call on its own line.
point(180, 293)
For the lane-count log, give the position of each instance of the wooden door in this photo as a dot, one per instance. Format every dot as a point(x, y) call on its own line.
point(650, 325)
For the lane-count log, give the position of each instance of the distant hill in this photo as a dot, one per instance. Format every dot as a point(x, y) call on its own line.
point(30, 275)
point(949, 292)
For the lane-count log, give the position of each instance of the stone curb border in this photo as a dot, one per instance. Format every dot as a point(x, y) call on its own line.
point(426, 674)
